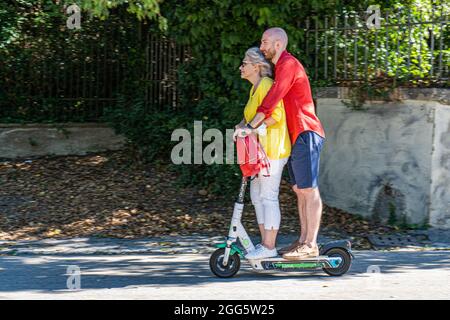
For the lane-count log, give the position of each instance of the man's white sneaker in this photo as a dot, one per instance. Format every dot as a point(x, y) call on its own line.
point(261, 253)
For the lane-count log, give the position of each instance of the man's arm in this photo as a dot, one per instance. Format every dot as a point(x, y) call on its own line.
point(284, 80)
point(273, 119)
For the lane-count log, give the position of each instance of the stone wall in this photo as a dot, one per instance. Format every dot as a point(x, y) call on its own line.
point(440, 175)
point(31, 140)
point(391, 160)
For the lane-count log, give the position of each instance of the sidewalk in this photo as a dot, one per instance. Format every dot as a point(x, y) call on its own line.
point(178, 268)
point(111, 246)
point(168, 244)
point(156, 276)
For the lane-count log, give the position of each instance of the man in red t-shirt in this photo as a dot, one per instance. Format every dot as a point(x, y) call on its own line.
point(306, 133)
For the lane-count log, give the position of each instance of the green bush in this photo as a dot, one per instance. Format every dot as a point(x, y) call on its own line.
point(148, 131)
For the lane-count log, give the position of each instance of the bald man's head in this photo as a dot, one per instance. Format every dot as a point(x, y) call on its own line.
point(273, 42)
point(278, 34)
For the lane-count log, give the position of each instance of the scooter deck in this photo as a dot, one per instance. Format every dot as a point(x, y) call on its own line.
point(280, 263)
point(281, 259)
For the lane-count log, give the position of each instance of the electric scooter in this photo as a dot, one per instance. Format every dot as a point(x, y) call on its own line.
point(335, 257)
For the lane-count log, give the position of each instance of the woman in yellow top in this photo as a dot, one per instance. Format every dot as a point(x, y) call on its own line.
point(274, 138)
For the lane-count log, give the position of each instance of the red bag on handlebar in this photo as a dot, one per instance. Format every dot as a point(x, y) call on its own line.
point(252, 158)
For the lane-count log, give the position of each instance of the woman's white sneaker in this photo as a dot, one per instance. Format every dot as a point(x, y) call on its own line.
point(261, 253)
point(257, 247)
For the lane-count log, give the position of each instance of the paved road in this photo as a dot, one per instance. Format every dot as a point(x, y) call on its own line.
point(403, 275)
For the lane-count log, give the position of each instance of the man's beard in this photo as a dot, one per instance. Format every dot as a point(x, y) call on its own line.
point(269, 54)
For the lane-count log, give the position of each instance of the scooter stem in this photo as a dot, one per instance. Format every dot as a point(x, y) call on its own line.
point(241, 196)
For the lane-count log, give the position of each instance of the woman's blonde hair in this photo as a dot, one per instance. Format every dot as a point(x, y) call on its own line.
point(255, 56)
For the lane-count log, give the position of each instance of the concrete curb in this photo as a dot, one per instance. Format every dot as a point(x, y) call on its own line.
point(111, 246)
point(157, 245)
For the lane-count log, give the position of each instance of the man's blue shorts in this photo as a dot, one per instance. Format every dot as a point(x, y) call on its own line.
point(303, 164)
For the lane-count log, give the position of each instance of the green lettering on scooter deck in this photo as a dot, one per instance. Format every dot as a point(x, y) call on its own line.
point(297, 265)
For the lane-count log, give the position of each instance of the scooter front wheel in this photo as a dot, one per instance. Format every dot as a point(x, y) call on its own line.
point(217, 267)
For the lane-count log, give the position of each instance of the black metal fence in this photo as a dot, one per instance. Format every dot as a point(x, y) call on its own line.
point(403, 45)
point(73, 75)
point(162, 59)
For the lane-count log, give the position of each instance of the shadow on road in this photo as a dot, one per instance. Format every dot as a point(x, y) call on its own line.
point(48, 273)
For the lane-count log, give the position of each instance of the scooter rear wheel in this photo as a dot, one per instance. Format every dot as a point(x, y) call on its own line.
point(217, 267)
point(345, 264)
